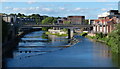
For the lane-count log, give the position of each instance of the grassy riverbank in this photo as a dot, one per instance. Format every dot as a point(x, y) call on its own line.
point(111, 39)
point(57, 34)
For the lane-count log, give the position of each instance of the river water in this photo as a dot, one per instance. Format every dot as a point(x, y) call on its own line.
point(35, 51)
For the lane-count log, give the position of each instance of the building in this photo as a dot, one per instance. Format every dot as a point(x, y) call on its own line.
point(56, 31)
point(62, 20)
point(103, 25)
point(106, 21)
point(76, 19)
point(109, 14)
point(89, 21)
point(9, 18)
point(25, 20)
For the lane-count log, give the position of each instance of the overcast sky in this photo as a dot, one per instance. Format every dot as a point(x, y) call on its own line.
point(63, 9)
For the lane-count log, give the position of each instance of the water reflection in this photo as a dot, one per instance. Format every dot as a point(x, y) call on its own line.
point(116, 59)
point(102, 50)
point(32, 44)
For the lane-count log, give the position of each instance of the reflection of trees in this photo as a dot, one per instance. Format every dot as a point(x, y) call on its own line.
point(116, 59)
point(44, 36)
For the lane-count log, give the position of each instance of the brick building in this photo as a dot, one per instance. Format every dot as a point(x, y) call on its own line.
point(106, 22)
point(76, 19)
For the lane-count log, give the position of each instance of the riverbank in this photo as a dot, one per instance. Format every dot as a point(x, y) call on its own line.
point(95, 39)
point(105, 40)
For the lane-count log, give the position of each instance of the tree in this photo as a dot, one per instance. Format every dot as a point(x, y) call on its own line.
point(55, 20)
point(21, 15)
point(12, 14)
point(37, 17)
point(48, 20)
point(86, 22)
point(114, 39)
point(67, 22)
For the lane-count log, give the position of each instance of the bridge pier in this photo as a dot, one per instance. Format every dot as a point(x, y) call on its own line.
point(70, 33)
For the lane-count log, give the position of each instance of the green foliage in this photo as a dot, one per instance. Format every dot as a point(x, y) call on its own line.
point(83, 34)
point(48, 20)
point(44, 36)
point(65, 29)
point(55, 20)
point(37, 18)
point(86, 21)
point(21, 15)
point(99, 35)
point(45, 28)
point(114, 39)
point(67, 22)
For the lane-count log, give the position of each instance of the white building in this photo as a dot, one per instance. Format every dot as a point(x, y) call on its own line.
point(9, 18)
point(56, 31)
point(105, 14)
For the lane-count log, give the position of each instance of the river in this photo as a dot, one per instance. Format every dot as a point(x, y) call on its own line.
point(85, 53)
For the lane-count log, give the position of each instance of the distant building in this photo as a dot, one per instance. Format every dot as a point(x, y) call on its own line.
point(25, 20)
point(76, 19)
point(62, 20)
point(57, 31)
point(110, 14)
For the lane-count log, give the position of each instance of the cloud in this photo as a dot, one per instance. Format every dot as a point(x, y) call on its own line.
point(28, 10)
point(106, 9)
point(46, 9)
point(77, 9)
point(103, 9)
point(16, 9)
point(31, 1)
point(62, 8)
point(50, 11)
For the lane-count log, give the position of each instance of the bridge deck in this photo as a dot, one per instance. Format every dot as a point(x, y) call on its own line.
point(39, 25)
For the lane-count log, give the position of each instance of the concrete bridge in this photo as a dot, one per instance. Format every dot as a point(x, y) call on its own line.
point(70, 27)
point(63, 25)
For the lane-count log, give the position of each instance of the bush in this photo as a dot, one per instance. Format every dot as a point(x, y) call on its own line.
point(114, 39)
